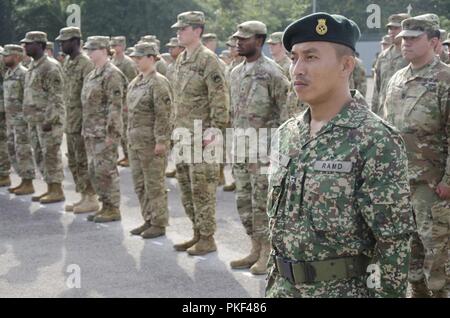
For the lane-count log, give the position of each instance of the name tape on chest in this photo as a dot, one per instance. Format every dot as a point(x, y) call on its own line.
point(333, 166)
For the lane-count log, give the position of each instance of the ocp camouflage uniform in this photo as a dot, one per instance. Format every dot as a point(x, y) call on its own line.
point(258, 97)
point(44, 104)
point(418, 104)
point(358, 78)
point(76, 71)
point(339, 201)
point(293, 105)
point(129, 69)
point(5, 165)
point(285, 64)
point(19, 146)
point(200, 93)
point(149, 102)
point(388, 63)
point(102, 98)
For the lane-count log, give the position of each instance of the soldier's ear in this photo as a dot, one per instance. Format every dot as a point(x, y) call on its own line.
point(348, 65)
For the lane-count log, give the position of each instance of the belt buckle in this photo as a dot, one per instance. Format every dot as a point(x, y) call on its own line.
point(285, 269)
point(310, 273)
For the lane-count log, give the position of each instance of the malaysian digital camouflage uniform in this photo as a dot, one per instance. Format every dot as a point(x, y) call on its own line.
point(75, 71)
point(149, 100)
point(258, 97)
point(44, 105)
point(358, 78)
point(285, 62)
point(129, 69)
point(19, 146)
point(387, 64)
point(5, 165)
point(200, 94)
point(418, 104)
point(338, 201)
point(102, 98)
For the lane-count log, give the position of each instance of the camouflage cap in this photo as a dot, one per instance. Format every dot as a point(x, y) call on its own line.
point(150, 39)
point(173, 43)
point(250, 28)
point(35, 36)
point(69, 33)
point(386, 40)
point(209, 37)
point(50, 46)
point(129, 50)
point(447, 41)
point(418, 25)
point(395, 20)
point(189, 18)
point(275, 38)
point(118, 40)
point(231, 42)
point(97, 43)
point(145, 49)
point(12, 49)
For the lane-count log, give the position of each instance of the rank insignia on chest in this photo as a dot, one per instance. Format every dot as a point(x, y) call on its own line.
point(333, 166)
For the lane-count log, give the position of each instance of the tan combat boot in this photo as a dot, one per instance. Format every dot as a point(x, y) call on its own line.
point(12, 189)
point(111, 214)
point(420, 289)
point(205, 245)
point(25, 188)
point(92, 217)
point(249, 260)
point(5, 181)
point(54, 195)
point(188, 244)
point(37, 198)
point(139, 230)
point(171, 174)
point(70, 207)
point(230, 187)
point(154, 232)
point(260, 267)
point(89, 204)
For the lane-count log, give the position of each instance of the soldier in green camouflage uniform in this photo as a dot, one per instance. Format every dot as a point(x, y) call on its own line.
point(102, 98)
point(338, 187)
point(200, 94)
point(76, 68)
point(19, 146)
point(258, 95)
point(279, 53)
point(149, 100)
point(418, 104)
point(388, 62)
point(441, 49)
point(128, 68)
point(43, 107)
point(5, 165)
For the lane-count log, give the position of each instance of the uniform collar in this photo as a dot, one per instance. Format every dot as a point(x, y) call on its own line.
point(36, 64)
point(193, 56)
point(424, 72)
point(256, 67)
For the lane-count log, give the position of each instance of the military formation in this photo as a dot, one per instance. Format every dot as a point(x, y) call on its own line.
point(340, 197)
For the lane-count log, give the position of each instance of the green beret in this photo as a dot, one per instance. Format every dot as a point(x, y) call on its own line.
point(322, 27)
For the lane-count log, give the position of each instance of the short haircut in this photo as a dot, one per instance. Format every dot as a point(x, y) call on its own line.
point(342, 50)
point(433, 34)
point(263, 38)
point(199, 26)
